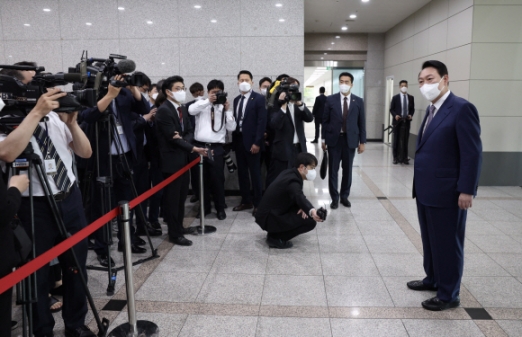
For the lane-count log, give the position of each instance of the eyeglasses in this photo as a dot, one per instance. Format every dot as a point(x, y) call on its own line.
point(179, 89)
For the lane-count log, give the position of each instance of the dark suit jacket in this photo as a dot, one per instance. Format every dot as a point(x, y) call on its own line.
point(254, 121)
point(174, 152)
point(126, 104)
point(283, 196)
point(396, 106)
point(333, 120)
point(449, 154)
point(283, 127)
point(10, 200)
point(318, 109)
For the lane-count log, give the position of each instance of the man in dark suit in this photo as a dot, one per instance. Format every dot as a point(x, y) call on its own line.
point(344, 130)
point(197, 91)
point(175, 137)
point(286, 122)
point(448, 159)
point(402, 108)
point(317, 111)
point(248, 139)
point(284, 211)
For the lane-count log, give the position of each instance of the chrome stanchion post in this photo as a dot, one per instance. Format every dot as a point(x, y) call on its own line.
point(134, 328)
point(203, 229)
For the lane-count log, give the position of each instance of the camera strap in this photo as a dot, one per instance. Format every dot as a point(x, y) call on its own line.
point(212, 118)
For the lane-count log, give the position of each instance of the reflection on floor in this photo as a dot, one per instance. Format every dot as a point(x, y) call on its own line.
point(346, 278)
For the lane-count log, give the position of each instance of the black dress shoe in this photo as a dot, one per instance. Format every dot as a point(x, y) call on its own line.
point(242, 207)
point(199, 214)
point(79, 332)
point(90, 245)
point(139, 241)
point(420, 286)
point(435, 304)
point(226, 206)
point(334, 205)
point(395, 162)
point(152, 231)
point(181, 241)
point(346, 202)
point(314, 141)
point(134, 248)
point(104, 260)
point(193, 199)
point(189, 230)
point(156, 225)
point(406, 162)
point(278, 243)
point(221, 215)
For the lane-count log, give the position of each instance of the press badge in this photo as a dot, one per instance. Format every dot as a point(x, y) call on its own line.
point(50, 166)
point(119, 128)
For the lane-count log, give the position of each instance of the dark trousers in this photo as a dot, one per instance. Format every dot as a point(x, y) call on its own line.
point(5, 311)
point(277, 166)
point(141, 181)
point(174, 203)
point(155, 177)
point(337, 154)
point(122, 190)
point(47, 236)
point(265, 159)
point(248, 169)
point(288, 226)
point(317, 129)
point(442, 232)
point(214, 180)
point(194, 175)
point(401, 135)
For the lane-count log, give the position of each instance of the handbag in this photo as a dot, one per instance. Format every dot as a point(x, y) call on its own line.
point(22, 242)
point(324, 165)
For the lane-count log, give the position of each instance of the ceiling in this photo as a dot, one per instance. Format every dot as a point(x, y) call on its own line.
point(375, 16)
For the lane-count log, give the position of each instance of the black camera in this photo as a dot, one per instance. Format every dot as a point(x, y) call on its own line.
point(291, 90)
point(221, 97)
point(322, 213)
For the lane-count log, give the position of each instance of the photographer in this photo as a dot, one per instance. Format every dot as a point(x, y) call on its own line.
point(213, 119)
point(284, 211)
point(120, 103)
point(287, 126)
point(53, 141)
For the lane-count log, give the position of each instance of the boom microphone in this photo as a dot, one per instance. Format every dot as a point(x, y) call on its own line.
point(126, 66)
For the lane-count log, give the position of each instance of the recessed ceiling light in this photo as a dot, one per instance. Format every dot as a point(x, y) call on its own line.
point(121, 8)
point(344, 28)
point(353, 16)
point(322, 58)
point(329, 48)
point(333, 42)
point(150, 22)
point(213, 20)
point(281, 20)
point(88, 24)
point(365, 0)
point(162, 62)
point(10, 55)
point(27, 25)
point(337, 37)
point(279, 5)
point(47, 10)
point(326, 53)
point(197, 6)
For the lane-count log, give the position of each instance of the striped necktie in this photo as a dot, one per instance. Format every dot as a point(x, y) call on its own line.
point(60, 177)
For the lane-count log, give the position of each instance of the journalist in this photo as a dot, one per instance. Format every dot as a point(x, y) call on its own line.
point(284, 211)
point(54, 141)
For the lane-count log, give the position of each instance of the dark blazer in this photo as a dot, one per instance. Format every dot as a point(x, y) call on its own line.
point(318, 109)
point(10, 200)
point(283, 196)
point(174, 152)
point(254, 121)
point(448, 158)
point(396, 106)
point(283, 127)
point(125, 103)
point(333, 120)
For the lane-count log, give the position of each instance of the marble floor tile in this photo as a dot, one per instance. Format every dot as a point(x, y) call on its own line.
point(204, 242)
point(402, 296)
point(168, 324)
point(384, 228)
point(495, 292)
point(293, 327)
point(171, 287)
point(512, 263)
point(348, 264)
point(496, 243)
point(480, 264)
point(399, 264)
point(294, 290)
point(337, 228)
point(294, 264)
point(195, 261)
point(512, 328)
point(433, 328)
point(342, 244)
point(345, 291)
point(235, 262)
point(246, 242)
point(394, 244)
point(219, 326)
point(232, 289)
point(368, 328)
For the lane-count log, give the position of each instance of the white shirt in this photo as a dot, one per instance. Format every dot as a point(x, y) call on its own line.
point(292, 115)
point(123, 138)
point(437, 105)
point(61, 138)
point(203, 132)
point(245, 102)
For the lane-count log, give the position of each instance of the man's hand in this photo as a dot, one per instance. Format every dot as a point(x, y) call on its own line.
point(201, 151)
point(212, 98)
point(113, 91)
point(397, 117)
point(465, 201)
point(282, 98)
point(316, 217)
point(226, 106)
point(176, 135)
point(410, 117)
point(69, 119)
point(48, 102)
point(21, 182)
point(148, 117)
point(303, 214)
point(360, 149)
point(254, 149)
point(153, 112)
point(323, 145)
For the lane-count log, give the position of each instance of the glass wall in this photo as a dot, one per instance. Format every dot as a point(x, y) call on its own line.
point(358, 82)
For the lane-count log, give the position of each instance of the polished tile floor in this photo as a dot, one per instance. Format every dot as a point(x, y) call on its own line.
point(346, 278)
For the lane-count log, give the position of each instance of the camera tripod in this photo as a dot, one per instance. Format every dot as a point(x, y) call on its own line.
point(104, 185)
point(26, 289)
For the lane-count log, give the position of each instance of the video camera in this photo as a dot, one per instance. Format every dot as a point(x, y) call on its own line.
point(291, 90)
point(98, 73)
point(21, 98)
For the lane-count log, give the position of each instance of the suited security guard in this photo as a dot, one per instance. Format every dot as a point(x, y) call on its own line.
point(344, 130)
point(402, 108)
point(317, 111)
point(175, 136)
point(446, 173)
point(287, 126)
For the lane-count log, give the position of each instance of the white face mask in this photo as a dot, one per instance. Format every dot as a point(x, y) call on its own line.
point(263, 91)
point(431, 91)
point(311, 174)
point(154, 96)
point(244, 86)
point(345, 88)
point(179, 96)
point(404, 90)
